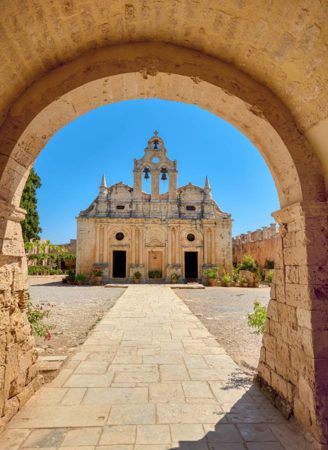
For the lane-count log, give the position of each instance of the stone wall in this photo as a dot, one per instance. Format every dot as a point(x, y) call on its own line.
point(294, 357)
point(262, 244)
point(18, 374)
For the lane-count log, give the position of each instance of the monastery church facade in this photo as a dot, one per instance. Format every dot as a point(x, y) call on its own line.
point(126, 230)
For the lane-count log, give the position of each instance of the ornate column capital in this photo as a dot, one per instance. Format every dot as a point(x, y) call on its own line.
point(301, 210)
point(11, 212)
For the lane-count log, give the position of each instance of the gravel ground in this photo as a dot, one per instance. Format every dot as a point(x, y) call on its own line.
point(224, 313)
point(74, 311)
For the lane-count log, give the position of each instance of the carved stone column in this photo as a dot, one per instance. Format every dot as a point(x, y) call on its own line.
point(97, 243)
point(207, 246)
point(133, 245)
point(136, 246)
point(294, 357)
point(155, 184)
point(137, 186)
point(173, 246)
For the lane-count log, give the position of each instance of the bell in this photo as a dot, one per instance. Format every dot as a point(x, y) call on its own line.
point(146, 175)
point(155, 145)
point(164, 177)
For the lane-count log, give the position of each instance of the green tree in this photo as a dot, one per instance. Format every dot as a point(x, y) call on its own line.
point(31, 224)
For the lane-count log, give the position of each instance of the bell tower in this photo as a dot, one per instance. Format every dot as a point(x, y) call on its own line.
point(156, 165)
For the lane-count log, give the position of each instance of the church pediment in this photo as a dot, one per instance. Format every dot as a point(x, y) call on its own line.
point(155, 243)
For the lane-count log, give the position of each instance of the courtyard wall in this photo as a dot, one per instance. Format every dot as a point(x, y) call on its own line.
point(262, 244)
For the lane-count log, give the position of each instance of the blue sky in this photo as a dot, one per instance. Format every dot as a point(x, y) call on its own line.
point(107, 139)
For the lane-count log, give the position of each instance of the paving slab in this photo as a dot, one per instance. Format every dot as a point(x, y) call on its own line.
point(150, 377)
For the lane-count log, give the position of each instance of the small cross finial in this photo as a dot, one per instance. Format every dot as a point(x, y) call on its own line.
point(156, 133)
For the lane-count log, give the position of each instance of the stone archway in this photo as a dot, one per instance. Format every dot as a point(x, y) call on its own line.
point(294, 356)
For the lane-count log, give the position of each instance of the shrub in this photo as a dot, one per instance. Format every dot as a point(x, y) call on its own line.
point(97, 273)
point(70, 277)
point(270, 277)
point(81, 278)
point(269, 264)
point(38, 270)
point(174, 276)
point(155, 274)
point(137, 275)
point(243, 281)
point(35, 316)
point(235, 275)
point(257, 318)
point(226, 279)
point(248, 263)
point(55, 272)
point(211, 272)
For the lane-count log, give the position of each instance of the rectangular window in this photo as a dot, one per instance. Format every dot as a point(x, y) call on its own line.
point(190, 208)
point(120, 207)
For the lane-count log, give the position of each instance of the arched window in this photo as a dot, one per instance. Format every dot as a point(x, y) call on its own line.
point(146, 180)
point(163, 180)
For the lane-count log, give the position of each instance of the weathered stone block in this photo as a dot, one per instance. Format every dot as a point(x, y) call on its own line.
point(298, 296)
point(11, 408)
point(273, 291)
point(12, 362)
point(279, 384)
point(265, 372)
point(292, 274)
point(280, 293)
point(294, 256)
point(31, 373)
point(270, 343)
point(306, 340)
point(270, 359)
point(25, 394)
point(306, 392)
point(304, 318)
point(282, 357)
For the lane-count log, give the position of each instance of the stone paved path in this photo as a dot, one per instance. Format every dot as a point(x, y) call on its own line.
point(150, 377)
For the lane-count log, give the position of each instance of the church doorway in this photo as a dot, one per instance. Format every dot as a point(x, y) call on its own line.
point(191, 265)
point(119, 264)
point(155, 264)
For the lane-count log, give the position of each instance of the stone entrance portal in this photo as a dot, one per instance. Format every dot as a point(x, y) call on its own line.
point(286, 118)
point(191, 265)
point(119, 264)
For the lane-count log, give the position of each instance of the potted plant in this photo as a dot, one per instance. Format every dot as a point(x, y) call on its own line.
point(174, 277)
point(249, 269)
point(81, 279)
point(155, 274)
point(212, 276)
point(97, 276)
point(137, 277)
point(70, 277)
point(243, 282)
point(226, 280)
point(234, 276)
